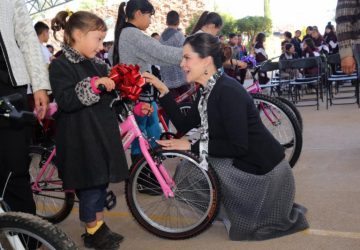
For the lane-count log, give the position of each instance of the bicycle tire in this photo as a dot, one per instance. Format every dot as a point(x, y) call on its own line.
point(158, 223)
point(30, 228)
point(296, 141)
point(56, 203)
point(294, 109)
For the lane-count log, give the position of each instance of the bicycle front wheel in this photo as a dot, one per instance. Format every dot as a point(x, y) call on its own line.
point(52, 202)
point(195, 202)
point(282, 124)
point(25, 231)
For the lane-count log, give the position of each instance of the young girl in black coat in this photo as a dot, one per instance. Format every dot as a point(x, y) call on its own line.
point(90, 154)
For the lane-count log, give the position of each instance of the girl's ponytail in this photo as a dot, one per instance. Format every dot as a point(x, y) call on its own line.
point(82, 20)
point(120, 23)
point(58, 23)
point(200, 23)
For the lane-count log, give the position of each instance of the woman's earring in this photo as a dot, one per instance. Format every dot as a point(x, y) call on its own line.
point(206, 72)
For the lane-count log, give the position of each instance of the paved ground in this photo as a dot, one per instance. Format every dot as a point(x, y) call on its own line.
point(327, 178)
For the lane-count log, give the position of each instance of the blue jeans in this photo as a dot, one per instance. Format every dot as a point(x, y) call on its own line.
point(91, 201)
point(149, 126)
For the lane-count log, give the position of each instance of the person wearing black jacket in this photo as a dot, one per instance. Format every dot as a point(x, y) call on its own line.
point(246, 157)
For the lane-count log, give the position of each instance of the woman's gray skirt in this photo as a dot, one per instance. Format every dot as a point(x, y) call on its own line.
point(258, 207)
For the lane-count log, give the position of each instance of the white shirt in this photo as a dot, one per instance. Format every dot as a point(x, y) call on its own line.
point(46, 54)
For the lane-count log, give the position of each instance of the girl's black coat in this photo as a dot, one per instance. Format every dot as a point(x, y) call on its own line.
point(89, 149)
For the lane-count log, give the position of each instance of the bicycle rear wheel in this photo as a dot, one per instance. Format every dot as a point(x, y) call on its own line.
point(25, 231)
point(52, 202)
point(190, 212)
point(282, 124)
point(293, 109)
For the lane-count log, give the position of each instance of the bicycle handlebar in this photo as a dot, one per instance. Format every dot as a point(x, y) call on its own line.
point(8, 110)
point(257, 67)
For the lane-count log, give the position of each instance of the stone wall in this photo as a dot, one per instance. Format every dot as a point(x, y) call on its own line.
point(185, 8)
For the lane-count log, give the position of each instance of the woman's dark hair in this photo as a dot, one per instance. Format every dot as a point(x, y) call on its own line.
point(126, 12)
point(172, 18)
point(310, 42)
point(288, 46)
point(208, 18)
point(260, 38)
point(82, 20)
point(288, 34)
point(207, 45)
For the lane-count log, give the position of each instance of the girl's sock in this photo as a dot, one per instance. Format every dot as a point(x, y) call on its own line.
point(92, 230)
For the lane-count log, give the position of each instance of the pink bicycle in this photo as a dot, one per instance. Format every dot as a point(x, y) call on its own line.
point(177, 200)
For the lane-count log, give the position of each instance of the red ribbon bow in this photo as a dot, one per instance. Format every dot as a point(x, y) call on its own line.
point(128, 80)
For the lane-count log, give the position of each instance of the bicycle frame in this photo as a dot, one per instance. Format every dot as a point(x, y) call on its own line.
point(193, 89)
point(130, 131)
point(255, 88)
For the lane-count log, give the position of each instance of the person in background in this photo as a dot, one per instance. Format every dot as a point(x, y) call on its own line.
point(21, 64)
point(319, 42)
point(222, 38)
point(261, 55)
point(310, 50)
point(289, 52)
point(242, 53)
point(132, 46)
point(173, 76)
point(209, 22)
point(330, 39)
point(348, 32)
point(156, 36)
point(309, 30)
point(297, 39)
point(42, 31)
point(51, 49)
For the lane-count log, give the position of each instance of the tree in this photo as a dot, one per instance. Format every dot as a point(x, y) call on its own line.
point(229, 25)
point(192, 23)
point(90, 5)
point(251, 25)
point(267, 12)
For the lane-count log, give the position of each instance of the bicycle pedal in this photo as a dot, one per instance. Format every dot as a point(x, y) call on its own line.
point(110, 201)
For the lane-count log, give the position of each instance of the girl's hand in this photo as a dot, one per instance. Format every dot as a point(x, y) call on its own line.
point(153, 80)
point(143, 109)
point(242, 65)
point(175, 144)
point(107, 82)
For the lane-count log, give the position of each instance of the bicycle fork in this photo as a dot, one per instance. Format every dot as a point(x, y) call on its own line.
point(130, 130)
point(160, 172)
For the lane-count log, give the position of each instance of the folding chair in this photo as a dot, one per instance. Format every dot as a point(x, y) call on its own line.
point(296, 84)
point(336, 83)
point(273, 83)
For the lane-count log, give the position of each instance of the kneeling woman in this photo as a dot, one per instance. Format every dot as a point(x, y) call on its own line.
point(257, 183)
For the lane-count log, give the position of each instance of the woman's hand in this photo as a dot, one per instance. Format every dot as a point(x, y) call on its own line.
point(107, 82)
point(153, 80)
point(175, 144)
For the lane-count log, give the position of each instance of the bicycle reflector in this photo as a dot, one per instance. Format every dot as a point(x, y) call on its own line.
point(128, 80)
